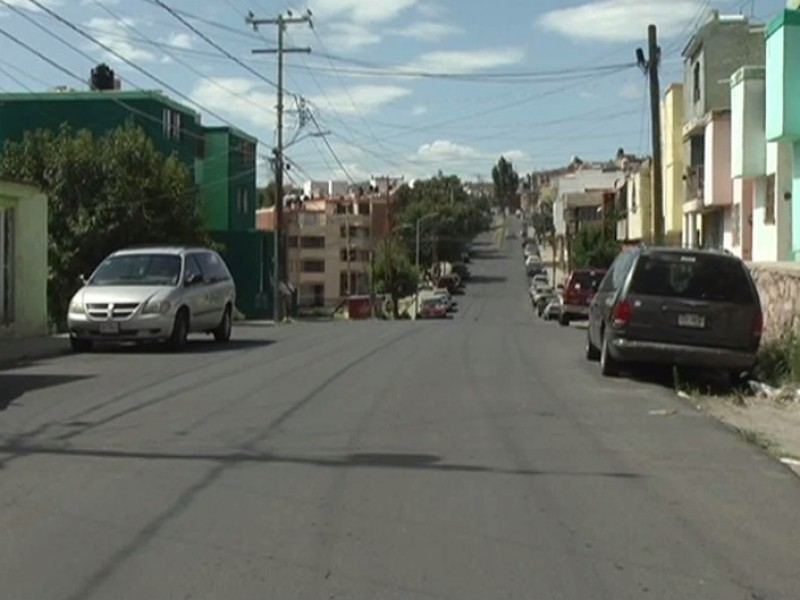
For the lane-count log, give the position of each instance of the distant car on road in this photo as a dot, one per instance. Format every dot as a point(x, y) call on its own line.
point(694, 308)
point(579, 290)
point(153, 294)
point(433, 308)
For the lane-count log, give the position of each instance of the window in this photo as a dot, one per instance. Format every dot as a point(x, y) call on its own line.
point(692, 277)
point(696, 95)
point(191, 268)
point(353, 255)
point(736, 216)
point(200, 148)
point(343, 289)
point(363, 208)
point(313, 266)
point(139, 269)
point(292, 241)
point(352, 232)
point(213, 267)
point(171, 124)
point(7, 244)
point(616, 276)
point(769, 201)
point(243, 201)
point(315, 242)
point(343, 208)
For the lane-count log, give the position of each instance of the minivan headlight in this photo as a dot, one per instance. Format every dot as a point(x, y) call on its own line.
point(159, 307)
point(77, 307)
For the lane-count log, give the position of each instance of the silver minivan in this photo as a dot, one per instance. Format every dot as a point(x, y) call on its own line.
point(156, 294)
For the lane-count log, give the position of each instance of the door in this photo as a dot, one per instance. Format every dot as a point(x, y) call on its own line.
point(219, 285)
point(693, 299)
point(196, 293)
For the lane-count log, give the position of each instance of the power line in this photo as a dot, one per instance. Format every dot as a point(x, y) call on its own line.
point(14, 78)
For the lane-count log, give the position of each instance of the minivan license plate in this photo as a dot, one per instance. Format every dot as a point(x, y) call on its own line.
point(693, 321)
point(109, 328)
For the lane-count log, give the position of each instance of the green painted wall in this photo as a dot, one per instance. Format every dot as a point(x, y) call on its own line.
point(248, 255)
point(214, 183)
point(30, 259)
point(783, 77)
point(101, 112)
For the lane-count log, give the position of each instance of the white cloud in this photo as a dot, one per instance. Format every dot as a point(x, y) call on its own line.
point(361, 11)
point(445, 150)
point(429, 31)
point(430, 10)
point(350, 36)
point(419, 110)
point(236, 98)
point(632, 90)
point(460, 158)
point(621, 20)
point(181, 39)
point(465, 61)
point(360, 98)
point(112, 33)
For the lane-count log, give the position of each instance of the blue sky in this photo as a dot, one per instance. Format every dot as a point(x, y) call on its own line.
point(403, 87)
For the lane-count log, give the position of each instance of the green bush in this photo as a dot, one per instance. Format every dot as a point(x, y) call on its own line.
point(779, 361)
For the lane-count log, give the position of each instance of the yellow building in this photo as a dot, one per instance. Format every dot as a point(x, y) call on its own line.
point(672, 139)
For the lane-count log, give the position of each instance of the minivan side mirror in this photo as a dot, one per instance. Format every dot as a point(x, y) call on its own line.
point(82, 279)
point(193, 279)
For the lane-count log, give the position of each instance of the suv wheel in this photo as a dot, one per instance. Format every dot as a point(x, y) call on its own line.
point(180, 331)
point(223, 331)
point(80, 345)
point(592, 351)
point(608, 366)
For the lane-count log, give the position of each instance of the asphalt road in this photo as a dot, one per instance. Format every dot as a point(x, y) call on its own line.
point(477, 458)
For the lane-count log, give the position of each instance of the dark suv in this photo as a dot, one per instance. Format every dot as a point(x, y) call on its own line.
point(693, 308)
point(579, 290)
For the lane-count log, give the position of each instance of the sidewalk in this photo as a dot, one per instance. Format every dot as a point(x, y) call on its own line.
point(20, 350)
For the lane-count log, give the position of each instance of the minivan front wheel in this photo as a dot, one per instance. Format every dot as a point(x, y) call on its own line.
point(180, 331)
point(608, 366)
point(223, 331)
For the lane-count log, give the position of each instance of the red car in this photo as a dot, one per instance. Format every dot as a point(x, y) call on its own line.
point(433, 309)
point(579, 290)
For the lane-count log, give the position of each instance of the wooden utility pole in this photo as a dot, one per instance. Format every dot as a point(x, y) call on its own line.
point(650, 67)
point(280, 242)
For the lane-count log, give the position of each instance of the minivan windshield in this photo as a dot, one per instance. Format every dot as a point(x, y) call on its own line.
point(692, 277)
point(139, 269)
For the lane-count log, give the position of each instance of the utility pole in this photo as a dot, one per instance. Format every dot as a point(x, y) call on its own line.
point(279, 247)
point(650, 67)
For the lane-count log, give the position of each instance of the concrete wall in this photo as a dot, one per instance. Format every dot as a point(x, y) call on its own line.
point(718, 183)
point(748, 135)
point(672, 108)
point(30, 260)
point(779, 288)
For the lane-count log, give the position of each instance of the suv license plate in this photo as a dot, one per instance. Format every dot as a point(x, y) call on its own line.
point(693, 321)
point(110, 328)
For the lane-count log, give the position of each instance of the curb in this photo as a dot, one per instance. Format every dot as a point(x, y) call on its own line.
point(40, 349)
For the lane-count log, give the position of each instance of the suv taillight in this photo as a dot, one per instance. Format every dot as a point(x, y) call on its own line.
point(758, 324)
point(622, 313)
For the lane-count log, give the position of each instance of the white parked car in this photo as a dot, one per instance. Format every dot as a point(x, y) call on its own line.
point(154, 294)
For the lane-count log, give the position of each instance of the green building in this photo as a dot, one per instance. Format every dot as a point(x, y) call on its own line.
point(173, 127)
point(222, 161)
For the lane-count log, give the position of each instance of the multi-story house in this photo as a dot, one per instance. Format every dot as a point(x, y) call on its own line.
point(672, 140)
point(635, 205)
point(720, 46)
point(330, 244)
point(783, 121)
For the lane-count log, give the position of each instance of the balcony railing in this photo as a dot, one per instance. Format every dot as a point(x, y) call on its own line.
point(694, 182)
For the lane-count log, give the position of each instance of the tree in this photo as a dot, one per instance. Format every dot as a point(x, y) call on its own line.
point(393, 272)
point(451, 217)
point(266, 195)
point(506, 182)
point(592, 248)
point(104, 194)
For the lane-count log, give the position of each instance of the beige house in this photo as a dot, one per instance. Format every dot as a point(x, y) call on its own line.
point(329, 246)
point(23, 261)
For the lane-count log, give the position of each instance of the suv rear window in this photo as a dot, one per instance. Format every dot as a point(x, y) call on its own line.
point(692, 277)
point(587, 279)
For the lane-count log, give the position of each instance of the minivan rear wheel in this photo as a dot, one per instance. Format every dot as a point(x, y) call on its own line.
point(223, 331)
point(608, 366)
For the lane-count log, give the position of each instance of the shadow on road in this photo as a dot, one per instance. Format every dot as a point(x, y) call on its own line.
point(416, 462)
point(193, 346)
point(12, 386)
point(708, 382)
point(488, 279)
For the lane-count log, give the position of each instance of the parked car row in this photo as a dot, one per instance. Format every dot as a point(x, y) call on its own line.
point(436, 298)
point(669, 306)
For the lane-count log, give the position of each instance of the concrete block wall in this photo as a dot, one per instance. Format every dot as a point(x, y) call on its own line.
point(779, 288)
